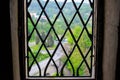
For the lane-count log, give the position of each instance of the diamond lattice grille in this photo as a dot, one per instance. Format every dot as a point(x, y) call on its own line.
point(59, 38)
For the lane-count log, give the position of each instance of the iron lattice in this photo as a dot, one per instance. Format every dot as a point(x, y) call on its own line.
point(59, 73)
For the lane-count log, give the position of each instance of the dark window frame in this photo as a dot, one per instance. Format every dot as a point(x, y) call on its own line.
point(99, 39)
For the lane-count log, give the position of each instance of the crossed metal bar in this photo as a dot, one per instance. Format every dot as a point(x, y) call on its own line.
point(60, 39)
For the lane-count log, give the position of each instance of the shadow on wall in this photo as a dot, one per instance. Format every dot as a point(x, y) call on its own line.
point(118, 54)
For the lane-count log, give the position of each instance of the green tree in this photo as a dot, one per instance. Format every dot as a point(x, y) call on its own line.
point(43, 35)
point(84, 44)
point(50, 41)
point(76, 31)
point(84, 41)
point(37, 39)
point(30, 26)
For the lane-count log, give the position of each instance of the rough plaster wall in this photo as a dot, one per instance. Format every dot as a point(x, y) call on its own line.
point(14, 27)
point(110, 38)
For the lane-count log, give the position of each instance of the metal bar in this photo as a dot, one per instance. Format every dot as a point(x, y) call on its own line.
point(34, 59)
point(59, 43)
point(83, 61)
point(92, 6)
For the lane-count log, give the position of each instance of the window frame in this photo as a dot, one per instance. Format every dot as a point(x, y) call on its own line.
point(99, 22)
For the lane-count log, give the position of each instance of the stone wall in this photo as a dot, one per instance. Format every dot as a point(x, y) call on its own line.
point(110, 38)
point(14, 35)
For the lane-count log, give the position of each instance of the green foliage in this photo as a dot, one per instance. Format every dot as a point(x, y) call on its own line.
point(75, 60)
point(34, 50)
point(37, 39)
point(39, 58)
point(55, 74)
point(43, 35)
point(76, 31)
point(60, 26)
point(43, 27)
point(84, 44)
point(84, 41)
point(30, 26)
point(50, 41)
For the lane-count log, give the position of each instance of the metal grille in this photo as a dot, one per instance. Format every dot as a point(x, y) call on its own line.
point(50, 53)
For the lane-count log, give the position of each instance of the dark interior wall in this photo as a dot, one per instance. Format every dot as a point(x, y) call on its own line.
point(118, 54)
point(5, 38)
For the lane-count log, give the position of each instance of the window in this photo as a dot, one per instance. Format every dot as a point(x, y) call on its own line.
point(58, 39)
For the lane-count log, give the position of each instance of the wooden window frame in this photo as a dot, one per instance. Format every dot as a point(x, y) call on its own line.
point(99, 39)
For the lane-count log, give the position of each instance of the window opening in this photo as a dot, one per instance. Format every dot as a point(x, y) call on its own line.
point(59, 38)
